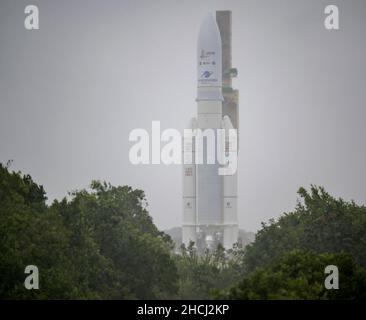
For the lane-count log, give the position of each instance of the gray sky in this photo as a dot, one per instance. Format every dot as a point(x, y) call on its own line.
point(71, 92)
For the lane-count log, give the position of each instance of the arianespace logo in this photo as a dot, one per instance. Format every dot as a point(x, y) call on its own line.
point(206, 54)
point(206, 74)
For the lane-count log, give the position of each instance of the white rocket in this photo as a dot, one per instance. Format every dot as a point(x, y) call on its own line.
point(209, 199)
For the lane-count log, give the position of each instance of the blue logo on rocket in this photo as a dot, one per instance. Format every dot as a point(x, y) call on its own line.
point(206, 74)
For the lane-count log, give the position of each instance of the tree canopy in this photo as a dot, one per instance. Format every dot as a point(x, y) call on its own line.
point(288, 257)
point(101, 243)
point(320, 223)
point(300, 275)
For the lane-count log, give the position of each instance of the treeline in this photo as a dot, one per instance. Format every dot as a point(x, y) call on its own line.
point(101, 243)
point(288, 257)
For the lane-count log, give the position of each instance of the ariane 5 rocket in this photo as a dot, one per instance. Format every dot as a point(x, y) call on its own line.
point(210, 199)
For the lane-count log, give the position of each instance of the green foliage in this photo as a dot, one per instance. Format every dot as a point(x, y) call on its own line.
point(321, 224)
point(288, 257)
point(200, 275)
point(30, 234)
point(300, 275)
point(100, 244)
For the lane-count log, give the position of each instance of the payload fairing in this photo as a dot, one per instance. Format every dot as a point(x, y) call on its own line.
point(210, 199)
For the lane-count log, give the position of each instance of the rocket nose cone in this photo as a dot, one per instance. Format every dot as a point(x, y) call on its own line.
point(209, 73)
point(209, 31)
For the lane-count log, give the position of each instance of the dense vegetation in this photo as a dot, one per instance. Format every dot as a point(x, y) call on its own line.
point(300, 275)
point(320, 223)
point(288, 257)
point(101, 243)
point(201, 276)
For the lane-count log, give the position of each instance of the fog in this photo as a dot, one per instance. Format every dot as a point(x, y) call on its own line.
point(72, 91)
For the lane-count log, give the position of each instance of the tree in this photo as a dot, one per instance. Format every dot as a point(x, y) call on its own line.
point(132, 254)
point(321, 224)
point(300, 275)
point(100, 243)
point(199, 275)
point(30, 235)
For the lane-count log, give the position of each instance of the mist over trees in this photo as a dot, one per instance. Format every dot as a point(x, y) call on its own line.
point(101, 243)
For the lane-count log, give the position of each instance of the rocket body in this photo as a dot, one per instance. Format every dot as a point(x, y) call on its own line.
point(209, 199)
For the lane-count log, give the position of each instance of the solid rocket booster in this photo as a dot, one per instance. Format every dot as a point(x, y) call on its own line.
point(209, 200)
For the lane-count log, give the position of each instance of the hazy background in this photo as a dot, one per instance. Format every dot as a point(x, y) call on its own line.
point(71, 92)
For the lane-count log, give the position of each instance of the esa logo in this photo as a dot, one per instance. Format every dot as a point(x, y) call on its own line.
point(206, 74)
